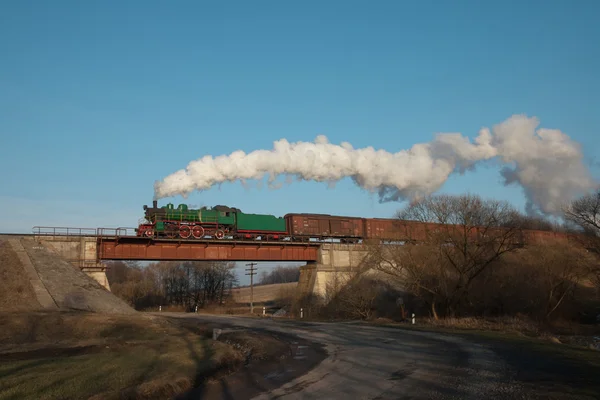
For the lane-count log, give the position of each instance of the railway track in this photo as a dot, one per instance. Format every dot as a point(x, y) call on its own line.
point(167, 240)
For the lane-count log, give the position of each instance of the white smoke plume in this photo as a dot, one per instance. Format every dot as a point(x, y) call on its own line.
point(546, 163)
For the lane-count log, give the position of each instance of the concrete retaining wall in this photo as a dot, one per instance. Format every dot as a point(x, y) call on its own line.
point(41, 292)
point(81, 252)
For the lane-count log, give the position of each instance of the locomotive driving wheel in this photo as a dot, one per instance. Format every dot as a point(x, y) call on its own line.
point(198, 231)
point(185, 231)
point(219, 234)
point(171, 231)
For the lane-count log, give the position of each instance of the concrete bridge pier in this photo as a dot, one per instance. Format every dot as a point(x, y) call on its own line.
point(336, 264)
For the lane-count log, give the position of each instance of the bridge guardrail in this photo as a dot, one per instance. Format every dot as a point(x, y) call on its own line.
point(56, 231)
point(63, 231)
point(116, 232)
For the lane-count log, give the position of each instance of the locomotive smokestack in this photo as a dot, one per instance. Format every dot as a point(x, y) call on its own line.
point(154, 204)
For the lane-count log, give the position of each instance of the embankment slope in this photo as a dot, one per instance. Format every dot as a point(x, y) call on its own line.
point(34, 278)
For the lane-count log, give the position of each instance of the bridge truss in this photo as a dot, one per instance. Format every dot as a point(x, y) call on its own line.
point(124, 244)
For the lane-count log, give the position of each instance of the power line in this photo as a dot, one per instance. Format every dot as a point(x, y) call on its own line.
point(251, 273)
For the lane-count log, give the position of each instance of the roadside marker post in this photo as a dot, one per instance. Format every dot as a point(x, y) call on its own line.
point(264, 311)
point(413, 318)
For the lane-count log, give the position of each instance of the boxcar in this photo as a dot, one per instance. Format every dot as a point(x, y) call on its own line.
point(385, 229)
point(324, 226)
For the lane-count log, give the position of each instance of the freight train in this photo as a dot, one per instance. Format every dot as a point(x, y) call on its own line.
point(222, 222)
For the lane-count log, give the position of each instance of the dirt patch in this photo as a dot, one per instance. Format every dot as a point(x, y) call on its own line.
point(16, 293)
point(270, 360)
point(257, 346)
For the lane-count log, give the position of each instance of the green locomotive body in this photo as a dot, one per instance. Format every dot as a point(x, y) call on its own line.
point(218, 222)
point(260, 223)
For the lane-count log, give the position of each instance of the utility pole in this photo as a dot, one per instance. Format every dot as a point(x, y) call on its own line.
point(251, 273)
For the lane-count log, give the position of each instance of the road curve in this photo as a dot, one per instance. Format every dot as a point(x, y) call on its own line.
point(369, 362)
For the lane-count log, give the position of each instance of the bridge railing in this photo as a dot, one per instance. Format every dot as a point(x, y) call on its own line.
point(63, 231)
point(116, 232)
point(58, 231)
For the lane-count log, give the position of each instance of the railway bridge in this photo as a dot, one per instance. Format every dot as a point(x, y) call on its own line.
point(87, 248)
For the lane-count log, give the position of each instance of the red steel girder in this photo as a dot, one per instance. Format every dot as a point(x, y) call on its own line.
point(213, 251)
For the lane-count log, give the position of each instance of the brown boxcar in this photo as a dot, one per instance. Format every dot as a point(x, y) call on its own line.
point(397, 229)
point(386, 229)
point(322, 225)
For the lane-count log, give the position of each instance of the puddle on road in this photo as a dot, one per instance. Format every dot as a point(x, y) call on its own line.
point(263, 376)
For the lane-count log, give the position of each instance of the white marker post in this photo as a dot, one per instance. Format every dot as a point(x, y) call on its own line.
point(159, 308)
point(413, 318)
point(302, 313)
point(264, 311)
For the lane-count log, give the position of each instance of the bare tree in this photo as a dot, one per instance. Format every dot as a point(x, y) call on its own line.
point(354, 298)
point(280, 274)
point(563, 270)
point(188, 284)
point(585, 212)
point(545, 278)
point(358, 299)
point(457, 238)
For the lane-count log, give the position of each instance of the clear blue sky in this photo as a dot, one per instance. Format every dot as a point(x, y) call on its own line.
point(100, 99)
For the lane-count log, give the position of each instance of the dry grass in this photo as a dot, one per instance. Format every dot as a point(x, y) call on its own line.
point(16, 293)
point(76, 355)
point(499, 324)
point(263, 293)
point(559, 331)
point(520, 325)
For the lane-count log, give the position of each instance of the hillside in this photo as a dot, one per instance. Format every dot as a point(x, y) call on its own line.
point(264, 293)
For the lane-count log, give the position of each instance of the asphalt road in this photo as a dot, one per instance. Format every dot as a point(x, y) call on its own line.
point(367, 362)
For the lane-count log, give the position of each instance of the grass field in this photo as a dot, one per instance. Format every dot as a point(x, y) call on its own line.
point(80, 355)
point(264, 293)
